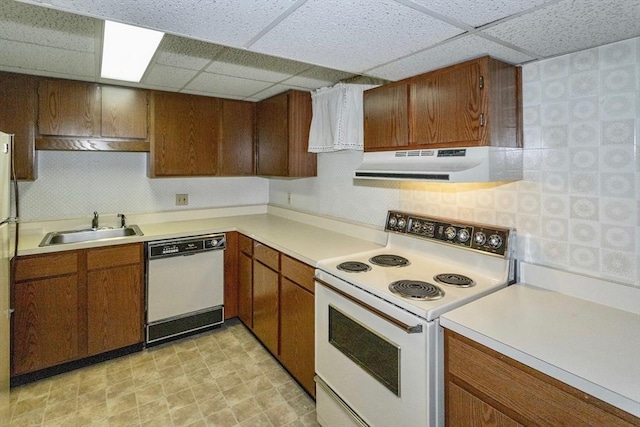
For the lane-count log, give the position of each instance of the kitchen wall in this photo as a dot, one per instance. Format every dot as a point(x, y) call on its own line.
point(74, 184)
point(578, 206)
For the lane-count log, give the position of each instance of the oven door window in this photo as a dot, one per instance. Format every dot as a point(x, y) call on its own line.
point(377, 356)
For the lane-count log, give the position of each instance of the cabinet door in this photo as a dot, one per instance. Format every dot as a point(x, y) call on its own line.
point(266, 305)
point(68, 108)
point(273, 135)
point(19, 97)
point(386, 117)
point(45, 323)
point(446, 107)
point(297, 332)
point(114, 297)
point(245, 290)
point(114, 308)
point(465, 410)
point(185, 133)
point(237, 150)
point(124, 112)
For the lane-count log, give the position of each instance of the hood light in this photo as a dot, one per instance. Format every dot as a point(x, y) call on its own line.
point(127, 50)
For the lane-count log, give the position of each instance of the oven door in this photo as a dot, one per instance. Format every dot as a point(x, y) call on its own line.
point(376, 363)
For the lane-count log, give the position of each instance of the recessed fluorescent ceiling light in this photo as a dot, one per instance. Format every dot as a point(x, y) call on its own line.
point(127, 50)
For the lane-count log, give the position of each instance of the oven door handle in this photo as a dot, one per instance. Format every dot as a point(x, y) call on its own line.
point(417, 329)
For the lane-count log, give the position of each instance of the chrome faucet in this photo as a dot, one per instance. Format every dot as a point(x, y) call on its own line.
point(94, 221)
point(123, 220)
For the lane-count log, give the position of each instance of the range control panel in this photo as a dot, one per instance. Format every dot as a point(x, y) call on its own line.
point(485, 238)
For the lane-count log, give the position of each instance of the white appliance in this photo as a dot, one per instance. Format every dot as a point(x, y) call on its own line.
point(7, 250)
point(379, 353)
point(185, 286)
point(468, 164)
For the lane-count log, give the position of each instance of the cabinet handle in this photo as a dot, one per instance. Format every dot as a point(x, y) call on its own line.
point(482, 121)
point(417, 329)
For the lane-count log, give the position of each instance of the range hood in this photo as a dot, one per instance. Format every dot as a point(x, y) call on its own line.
point(468, 164)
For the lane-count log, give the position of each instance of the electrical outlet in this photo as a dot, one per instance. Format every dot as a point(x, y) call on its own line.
point(289, 198)
point(182, 199)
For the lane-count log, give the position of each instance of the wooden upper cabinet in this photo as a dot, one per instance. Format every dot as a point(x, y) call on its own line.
point(184, 135)
point(75, 115)
point(473, 103)
point(124, 112)
point(283, 123)
point(69, 108)
point(19, 98)
point(447, 106)
point(236, 138)
point(386, 117)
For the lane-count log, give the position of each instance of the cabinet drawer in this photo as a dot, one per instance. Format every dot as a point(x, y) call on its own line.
point(299, 272)
point(113, 256)
point(37, 266)
point(246, 244)
point(266, 255)
point(522, 392)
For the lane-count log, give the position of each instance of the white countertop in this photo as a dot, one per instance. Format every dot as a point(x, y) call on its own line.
point(305, 237)
point(592, 347)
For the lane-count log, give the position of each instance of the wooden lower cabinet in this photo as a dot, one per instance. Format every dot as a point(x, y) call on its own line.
point(45, 323)
point(266, 305)
point(75, 304)
point(484, 387)
point(114, 298)
point(276, 301)
point(297, 332)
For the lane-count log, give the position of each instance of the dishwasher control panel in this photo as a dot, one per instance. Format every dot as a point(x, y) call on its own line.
point(186, 245)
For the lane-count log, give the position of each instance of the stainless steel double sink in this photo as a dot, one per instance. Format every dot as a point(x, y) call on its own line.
point(87, 235)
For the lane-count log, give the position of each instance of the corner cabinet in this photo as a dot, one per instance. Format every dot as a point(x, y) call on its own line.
point(74, 304)
point(276, 302)
point(484, 387)
point(283, 122)
point(474, 103)
point(75, 115)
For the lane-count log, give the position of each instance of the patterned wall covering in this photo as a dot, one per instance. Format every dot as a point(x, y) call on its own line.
point(74, 184)
point(577, 208)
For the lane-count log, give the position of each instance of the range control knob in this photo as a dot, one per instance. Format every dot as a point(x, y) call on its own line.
point(450, 233)
point(495, 241)
point(214, 243)
point(392, 221)
point(401, 222)
point(480, 238)
point(463, 235)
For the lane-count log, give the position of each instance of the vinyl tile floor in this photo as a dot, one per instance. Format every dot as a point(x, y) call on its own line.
point(222, 377)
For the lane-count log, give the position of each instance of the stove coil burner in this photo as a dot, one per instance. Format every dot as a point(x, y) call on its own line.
point(389, 260)
point(454, 279)
point(354, 267)
point(416, 290)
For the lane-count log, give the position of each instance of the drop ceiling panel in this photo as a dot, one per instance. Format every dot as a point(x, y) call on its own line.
point(352, 36)
point(47, 27)
point(231, 23)
point(475, 13)
point(246, 64)
point(317, 77)
point(168, 78)
point(570, 26)
point(220, 84)
point(181, 52)
point(459, 50)
point(271, 91)
point(46, 61)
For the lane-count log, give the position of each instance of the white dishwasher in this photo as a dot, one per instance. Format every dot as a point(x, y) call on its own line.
point(185, 286)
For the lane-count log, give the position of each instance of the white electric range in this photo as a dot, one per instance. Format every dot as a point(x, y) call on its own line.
point(379, 356)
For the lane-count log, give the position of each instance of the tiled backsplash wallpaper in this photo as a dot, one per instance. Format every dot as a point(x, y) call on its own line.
point(578, 207)
point(74, 184)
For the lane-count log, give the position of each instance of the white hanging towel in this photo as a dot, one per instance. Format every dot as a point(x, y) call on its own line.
point(337, 121)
